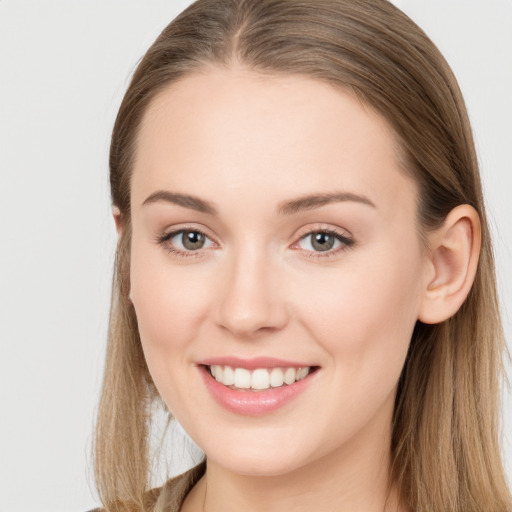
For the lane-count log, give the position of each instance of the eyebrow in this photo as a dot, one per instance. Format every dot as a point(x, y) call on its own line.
point(185, 200)
point(290, 207)
point(312, 201)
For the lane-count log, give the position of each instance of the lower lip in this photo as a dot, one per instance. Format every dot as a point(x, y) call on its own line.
point(253, 403)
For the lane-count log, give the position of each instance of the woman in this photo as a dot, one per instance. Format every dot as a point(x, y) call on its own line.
point(304, 273)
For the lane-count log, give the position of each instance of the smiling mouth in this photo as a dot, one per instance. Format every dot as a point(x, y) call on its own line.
point(259, 379)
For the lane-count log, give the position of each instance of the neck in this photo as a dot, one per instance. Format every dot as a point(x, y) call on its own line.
point(354, 478)
point(318, 487)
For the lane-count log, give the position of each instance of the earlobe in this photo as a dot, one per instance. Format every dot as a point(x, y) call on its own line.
point(455, 250)
point(116, 212)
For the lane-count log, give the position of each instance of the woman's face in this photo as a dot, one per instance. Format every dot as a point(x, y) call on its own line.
point(273, 230)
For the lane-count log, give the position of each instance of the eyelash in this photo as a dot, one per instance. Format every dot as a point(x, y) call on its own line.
point(163, 239)
point(345, 241)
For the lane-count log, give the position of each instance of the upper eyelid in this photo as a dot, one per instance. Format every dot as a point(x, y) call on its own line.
point(300, 233)
point(324, 228)
point(174, 231)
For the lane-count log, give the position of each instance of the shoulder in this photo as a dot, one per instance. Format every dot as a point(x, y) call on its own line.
point(173, 492)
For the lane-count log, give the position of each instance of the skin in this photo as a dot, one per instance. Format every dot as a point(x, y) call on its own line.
point(246, 143)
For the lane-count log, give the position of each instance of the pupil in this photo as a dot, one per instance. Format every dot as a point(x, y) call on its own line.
point(323, 241)
point(193, 240)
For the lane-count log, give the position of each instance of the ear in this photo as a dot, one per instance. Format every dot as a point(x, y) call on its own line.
point(118, 219)
point(116, 212)
point(452, 261)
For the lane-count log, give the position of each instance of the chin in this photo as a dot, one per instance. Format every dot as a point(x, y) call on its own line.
point(260, 466)
point(257, 460)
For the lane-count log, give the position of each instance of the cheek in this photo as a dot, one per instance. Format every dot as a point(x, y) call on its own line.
point(170, 309)
point(363, 317)
point(364, 313)
point(165, 298)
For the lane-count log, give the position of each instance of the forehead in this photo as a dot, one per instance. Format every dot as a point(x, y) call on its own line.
point(261, 137)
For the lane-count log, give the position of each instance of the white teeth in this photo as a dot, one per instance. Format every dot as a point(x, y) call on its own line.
point(217, 373)
point(258, 379)
point(289, 375)
point(228, 378)
point(276, 377)
point(242, 378)
point(301, 373)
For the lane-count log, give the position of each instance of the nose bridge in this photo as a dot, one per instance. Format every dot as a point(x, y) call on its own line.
point(250, 299)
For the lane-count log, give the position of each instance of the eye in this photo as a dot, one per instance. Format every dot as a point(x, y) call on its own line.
point(324, 243)
point(321, 243)
point(185, 242)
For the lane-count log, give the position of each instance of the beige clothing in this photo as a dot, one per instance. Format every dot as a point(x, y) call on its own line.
point(175, 490)
point(170, 496)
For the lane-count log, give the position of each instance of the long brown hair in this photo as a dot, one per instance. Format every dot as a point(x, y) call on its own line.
point(445, 439)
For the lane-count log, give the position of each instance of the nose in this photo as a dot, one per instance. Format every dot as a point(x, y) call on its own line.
point(251, 296)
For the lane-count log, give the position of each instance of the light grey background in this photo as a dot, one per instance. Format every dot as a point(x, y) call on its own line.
point(64, 66)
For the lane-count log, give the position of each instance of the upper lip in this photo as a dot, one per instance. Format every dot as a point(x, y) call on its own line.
point(253, 363)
